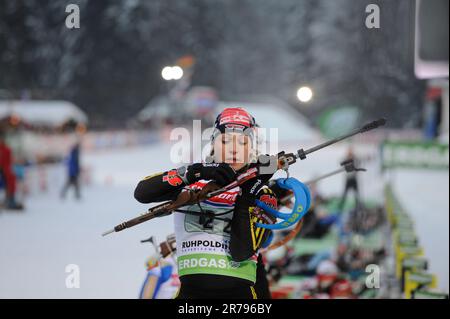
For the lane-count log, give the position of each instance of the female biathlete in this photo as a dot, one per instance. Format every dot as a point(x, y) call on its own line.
point(217, 257)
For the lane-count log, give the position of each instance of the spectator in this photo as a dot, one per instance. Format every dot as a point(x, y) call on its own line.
point(73, 170)
point(8, 177)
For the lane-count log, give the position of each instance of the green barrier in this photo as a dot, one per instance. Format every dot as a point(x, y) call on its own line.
point(418, 280)
point(305, 246)
point(425, 294)
point(407, 238)
point(414, 155)
point(405, 224)
point(415, 263)
point(412, 264)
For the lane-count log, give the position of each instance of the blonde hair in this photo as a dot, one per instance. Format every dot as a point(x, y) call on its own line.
point(253, 156)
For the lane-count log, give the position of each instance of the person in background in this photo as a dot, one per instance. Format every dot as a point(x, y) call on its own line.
point(8, 177)
point(19, 169)
point(351, 182)
point(73, 170)
point(162, 279)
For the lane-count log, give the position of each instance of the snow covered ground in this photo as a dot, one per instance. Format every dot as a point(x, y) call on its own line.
point(424, 195)
point(38, 244)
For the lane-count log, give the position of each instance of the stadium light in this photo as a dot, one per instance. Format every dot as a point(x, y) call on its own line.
point(304, 94)
point(172, 73)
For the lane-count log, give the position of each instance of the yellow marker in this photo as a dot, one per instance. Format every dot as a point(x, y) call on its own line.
point(416, 280)
point(403, 252)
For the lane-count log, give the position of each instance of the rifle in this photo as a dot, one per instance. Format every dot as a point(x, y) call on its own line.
point(210, 190)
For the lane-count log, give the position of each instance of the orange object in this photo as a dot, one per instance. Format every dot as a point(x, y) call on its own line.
point(288, 237)
point(186, 61)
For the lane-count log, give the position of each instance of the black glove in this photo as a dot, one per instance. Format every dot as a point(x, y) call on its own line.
point(266, 169)
point(222, 174)
point(250, 189)
point(279, 192)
